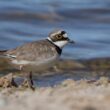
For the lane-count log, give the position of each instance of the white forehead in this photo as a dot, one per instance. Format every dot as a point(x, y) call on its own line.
point(65, 35)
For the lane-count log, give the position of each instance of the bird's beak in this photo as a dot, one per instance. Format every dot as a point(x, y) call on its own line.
point(71, 41)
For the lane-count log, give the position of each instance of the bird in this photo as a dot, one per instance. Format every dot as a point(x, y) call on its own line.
point(37, 55)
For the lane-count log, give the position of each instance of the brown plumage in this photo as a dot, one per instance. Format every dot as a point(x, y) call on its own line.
point(31, 51)
point(37, 55)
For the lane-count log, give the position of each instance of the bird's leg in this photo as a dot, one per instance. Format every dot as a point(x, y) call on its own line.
point(8, 81)
point(30, 81)
point(13, 83)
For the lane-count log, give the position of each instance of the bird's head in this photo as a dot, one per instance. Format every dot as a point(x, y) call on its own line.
point(59, 38)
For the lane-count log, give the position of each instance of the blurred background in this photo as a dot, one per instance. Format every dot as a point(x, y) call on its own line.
point(87, 22)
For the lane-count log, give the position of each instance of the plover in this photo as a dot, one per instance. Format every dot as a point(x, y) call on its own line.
point(37, 55)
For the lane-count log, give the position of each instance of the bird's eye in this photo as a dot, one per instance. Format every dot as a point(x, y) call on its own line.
point(59, 36)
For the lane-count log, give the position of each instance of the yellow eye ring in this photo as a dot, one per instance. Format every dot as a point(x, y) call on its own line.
point(59, 36)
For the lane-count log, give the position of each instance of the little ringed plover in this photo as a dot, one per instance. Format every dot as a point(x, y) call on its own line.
point(37, 55)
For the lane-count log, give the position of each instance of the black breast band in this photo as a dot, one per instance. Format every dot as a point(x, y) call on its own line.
point(59, 50)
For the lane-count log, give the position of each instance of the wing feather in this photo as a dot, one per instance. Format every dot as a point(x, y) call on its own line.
point(33, 51)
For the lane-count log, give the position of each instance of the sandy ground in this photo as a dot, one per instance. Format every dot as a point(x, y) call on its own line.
point(69, 95)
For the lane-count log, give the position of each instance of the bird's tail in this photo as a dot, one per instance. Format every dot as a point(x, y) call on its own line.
point(2, 52)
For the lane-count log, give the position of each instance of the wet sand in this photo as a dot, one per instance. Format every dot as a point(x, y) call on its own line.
point(69, 95)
